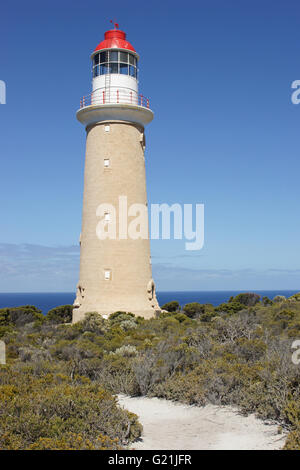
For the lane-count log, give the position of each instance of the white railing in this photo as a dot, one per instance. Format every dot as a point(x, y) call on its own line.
point(102, 97)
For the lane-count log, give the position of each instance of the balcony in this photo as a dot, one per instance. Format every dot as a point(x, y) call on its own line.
point(114, 96)
point(114, 104)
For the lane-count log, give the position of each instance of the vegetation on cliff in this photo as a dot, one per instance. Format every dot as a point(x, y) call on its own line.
point(56, 391)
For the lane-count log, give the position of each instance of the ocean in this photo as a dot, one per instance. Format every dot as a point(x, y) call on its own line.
point(47, 300)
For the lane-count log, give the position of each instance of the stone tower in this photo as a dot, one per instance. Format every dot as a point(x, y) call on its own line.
point(115, 274)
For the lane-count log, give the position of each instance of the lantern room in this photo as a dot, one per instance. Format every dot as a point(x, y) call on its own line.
point(114, 61)
point(115, 94)
point(115, 72)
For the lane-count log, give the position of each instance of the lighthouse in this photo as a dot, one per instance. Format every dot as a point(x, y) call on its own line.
point(115, 272)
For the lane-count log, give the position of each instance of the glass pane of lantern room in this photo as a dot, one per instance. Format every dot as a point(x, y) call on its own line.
point(103, 57)
point(124, 69)
point(124, 57)
point(113, 56)
point(131, 59)
point(96, 71)
point(114, 68)
point(132, 71)
point(104, 69)
point(96, 59)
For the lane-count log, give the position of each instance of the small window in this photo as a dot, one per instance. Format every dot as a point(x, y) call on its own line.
point(107, 216)
point(107, 128)
point(106, 162)
point(107, 274)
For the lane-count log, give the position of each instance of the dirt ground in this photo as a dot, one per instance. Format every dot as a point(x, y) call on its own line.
point(169, 425)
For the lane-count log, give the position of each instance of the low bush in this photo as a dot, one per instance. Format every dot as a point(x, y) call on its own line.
point(62, 314)
point(20, 316)
point(248, 299)
point(171, 306)
point(44, 412)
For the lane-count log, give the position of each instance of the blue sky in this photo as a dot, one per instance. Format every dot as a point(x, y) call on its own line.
point(225, 134)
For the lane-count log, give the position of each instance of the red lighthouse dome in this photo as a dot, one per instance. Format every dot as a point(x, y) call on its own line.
point(115, 38)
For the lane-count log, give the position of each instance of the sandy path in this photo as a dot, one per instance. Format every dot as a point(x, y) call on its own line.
point(169, 425)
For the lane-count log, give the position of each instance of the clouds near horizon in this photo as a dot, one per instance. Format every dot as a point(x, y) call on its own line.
point(38, 268)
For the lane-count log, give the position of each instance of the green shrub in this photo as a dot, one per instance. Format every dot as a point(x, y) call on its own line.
point(208, 314)
point(93, 323)
point(279, 298)
point(34, 408)
point(119, 316)
point(181, 317)
point(284, 318)
point(193, 309)
point(20, 316)
point(295, 297)
point(62, 314)
point(126, 351)
point(205, 312)
point(248, 299)
point(171, 306)
point(184, 388)
point(266, 301)
point(230, 308)
point(117, 375)
point(72, 441)
point(293, 440)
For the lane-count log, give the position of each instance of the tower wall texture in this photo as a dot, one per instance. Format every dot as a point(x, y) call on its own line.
point(130, 287)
